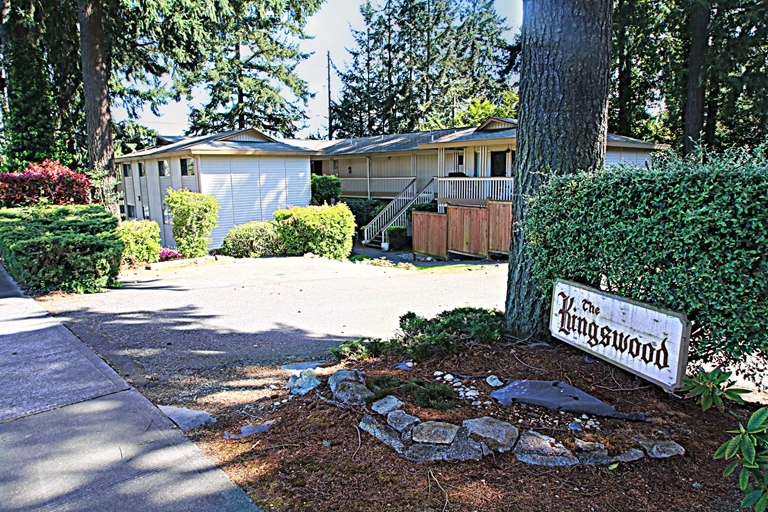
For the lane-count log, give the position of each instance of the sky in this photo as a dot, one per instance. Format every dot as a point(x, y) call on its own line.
point(330, 30)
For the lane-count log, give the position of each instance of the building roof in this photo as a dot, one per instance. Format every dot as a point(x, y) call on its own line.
point(247, 141)
point(251, 141)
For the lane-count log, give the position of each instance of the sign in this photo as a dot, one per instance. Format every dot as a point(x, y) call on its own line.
point(642, 339)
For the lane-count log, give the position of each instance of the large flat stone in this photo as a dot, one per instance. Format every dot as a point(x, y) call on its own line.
point(383, 433)
point(434, 432)
point(661, 449)
point(112, 453)
point(540, 450)
point(386, 405)
point(462, 448)
point(498, 435)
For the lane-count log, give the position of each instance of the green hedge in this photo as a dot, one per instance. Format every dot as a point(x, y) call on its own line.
point(69, 248)
point(142, 241)
point(364, 210)
point(322, 230)
point(194, 217)
point(252, 240)
point(325, 189)
point(690, 235)
point(398, 238)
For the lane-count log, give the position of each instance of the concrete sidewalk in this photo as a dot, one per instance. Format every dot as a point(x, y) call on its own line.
point(75, 436)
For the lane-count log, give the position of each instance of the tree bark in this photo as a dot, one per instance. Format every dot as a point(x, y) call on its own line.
point(93, 48)
point(694, 102)
point(564, 81)
point(624, 61)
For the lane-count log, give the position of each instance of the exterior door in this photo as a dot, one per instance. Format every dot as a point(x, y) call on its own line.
point(498, 163)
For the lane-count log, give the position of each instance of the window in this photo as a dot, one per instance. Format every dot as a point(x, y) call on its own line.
point(460, 159)
point(498, 163)
point(477, 164)
point(130, 211)
point(187, 166)
point(145, 212)
point(126, 170)
point(163, 169)
point(141, 170)
point(167, 219)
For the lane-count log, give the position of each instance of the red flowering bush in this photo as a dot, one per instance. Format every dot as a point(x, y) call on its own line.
point(48, 180)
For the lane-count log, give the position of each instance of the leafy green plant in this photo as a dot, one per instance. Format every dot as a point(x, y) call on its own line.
point(359, 257)
point(749, 449)
point(69, 248)
point(325, 189)
point(398, 239)
point(690, 234)
point(141, 239)
point(322, 230)
point(194, 217)
point(433, 395)
point(364, 210)
point(252, 240)
point(712, 388)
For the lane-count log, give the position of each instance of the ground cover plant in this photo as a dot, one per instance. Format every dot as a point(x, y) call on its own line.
point(689, 234)
point(69, 248)
point(141, 239)
point(194, 217)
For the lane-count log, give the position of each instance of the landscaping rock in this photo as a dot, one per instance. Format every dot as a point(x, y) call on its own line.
point(496, 434)
point(297, 368)
point(401, 421)
point(434, 432)
point(186, 419)
point(592, 454)
point(494, 381)
point(347, 386)
point(660, 449)
point(558, 396)
point(630, 455)
point(249, 430)
point(386, 405)
point(383, 433)
point(306, 382)
point(540, 450)
point(462, 448)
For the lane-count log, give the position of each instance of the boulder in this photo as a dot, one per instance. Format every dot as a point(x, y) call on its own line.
point(660, 449)
point(383, 433)
point(347, 387)
point(306, 382)
point(496, 434)
point(386, 405)
point(540, 450)
point(434, 432)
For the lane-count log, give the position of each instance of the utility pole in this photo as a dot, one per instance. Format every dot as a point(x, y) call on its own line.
point(330, 114)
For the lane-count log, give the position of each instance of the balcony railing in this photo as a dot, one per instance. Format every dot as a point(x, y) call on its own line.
point(473, 191)
point(374, 187)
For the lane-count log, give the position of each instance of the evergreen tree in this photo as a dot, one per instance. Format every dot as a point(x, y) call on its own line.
point(251, 67)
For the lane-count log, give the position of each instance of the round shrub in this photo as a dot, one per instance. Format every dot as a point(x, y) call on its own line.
point(325, 189)
point(194, 217)
point(142, 241)
point(322, 230)
point(252, 240)
point(49, 181)
point(690, 235)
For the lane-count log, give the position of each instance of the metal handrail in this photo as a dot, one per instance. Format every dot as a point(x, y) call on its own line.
point(391, 211)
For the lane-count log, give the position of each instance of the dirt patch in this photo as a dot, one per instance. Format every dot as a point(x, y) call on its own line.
point(315, 458)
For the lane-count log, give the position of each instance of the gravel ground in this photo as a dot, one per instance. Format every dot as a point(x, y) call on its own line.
point(176, 321)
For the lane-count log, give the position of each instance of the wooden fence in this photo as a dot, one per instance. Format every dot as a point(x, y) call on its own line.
point(471, 231)
point(430, 234)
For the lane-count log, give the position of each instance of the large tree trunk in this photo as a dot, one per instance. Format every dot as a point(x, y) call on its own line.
point(564, 80)
point(93, 49)
point(694, 102)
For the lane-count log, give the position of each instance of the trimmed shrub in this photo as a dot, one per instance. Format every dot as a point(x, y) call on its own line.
point(142, 241)
point(398, 238)
point(322, 230)
point(252, 240)
point(325, 189)
point(689, 235)
point(194, 217)
point(69, 248)
point(49, 181)
point(364, 210)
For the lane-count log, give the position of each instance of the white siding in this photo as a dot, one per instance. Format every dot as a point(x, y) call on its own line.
point(390, 166)
point(216, 180)
point(630, 156)
point(274, 194)
point(297, 173)
point(246, 191)
point(247, 137)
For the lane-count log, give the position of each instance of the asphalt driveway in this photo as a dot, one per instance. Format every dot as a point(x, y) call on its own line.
point(175, 321)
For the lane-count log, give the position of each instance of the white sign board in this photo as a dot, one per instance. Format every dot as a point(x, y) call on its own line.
point(645, 340)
